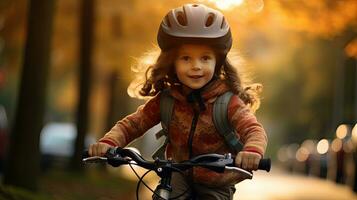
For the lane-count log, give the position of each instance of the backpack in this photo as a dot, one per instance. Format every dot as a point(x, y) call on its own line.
point(220, 120)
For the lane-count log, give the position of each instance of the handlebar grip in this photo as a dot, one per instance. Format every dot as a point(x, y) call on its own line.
point(265, 164)
point(111, 152)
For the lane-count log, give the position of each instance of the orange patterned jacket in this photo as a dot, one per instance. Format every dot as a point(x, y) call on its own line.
point(206, 138)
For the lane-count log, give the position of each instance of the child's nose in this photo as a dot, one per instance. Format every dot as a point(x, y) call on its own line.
point(196, 65)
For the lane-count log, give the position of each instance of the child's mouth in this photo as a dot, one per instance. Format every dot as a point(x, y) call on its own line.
point(195, 76)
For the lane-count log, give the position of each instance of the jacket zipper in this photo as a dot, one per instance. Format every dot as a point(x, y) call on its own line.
point(192, 131)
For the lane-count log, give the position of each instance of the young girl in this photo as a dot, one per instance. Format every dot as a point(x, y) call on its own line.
point(194, 41)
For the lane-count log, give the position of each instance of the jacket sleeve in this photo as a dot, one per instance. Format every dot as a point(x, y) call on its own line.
point(249, 130)
point(135, 124)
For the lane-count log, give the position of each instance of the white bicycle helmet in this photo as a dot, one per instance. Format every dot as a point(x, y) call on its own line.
point(194, 23)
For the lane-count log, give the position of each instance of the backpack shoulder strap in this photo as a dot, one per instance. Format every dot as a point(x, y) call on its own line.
point(221, 122)
point(166, 109)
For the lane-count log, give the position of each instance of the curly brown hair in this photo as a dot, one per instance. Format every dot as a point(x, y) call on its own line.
point(161, 75)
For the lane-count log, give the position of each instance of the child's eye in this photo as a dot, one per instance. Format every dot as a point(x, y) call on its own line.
point(206, 58)
point(185, 58)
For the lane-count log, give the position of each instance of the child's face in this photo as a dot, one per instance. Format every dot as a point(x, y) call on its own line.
point(195, 65)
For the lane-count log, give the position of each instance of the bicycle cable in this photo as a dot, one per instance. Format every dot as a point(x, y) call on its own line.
point(153, 191)
point(184, 192)
point(141, 181)
point(140, 178)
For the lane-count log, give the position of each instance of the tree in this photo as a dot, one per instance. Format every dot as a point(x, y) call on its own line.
point(24, 156)
point(85, 68)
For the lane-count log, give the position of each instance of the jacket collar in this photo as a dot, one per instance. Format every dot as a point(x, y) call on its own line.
point(209, 92)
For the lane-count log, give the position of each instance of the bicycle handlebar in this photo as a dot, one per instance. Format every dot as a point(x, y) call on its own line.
point(216, 162)
point(164, 168)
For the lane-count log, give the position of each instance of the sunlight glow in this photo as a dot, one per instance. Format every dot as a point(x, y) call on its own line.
point(322, 146)
point(248, 5)
point(351, 48)
point(226, 4)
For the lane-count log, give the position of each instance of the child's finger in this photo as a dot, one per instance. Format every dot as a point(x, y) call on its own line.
point(95, 149)
point(256, 164)
point(98, 149)
point(245, 162)
point(238, 160)
point(103, 149)
point(248, 160)
point(90, 150)
point(250, 165)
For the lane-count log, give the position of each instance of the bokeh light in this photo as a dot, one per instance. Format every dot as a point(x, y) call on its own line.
point(322, 146)
point(336, 145)
point(291, 150)
point(302, 154)
point(282, 154)
point(309, 145)
point(341, 131)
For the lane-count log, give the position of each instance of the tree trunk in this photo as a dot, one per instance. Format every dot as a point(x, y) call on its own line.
point(355, 86)
point(85, 73)
point(24, 155)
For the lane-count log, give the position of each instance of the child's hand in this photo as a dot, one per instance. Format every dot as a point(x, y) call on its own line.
point(98, 149)
point(248, 160)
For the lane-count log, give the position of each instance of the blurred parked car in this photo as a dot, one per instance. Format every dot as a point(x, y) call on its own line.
point(57, 144)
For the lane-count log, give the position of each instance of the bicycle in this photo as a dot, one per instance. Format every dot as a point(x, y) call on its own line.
point(164, 168)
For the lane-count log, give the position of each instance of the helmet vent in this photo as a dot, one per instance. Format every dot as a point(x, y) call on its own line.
point(210, 19)
point(224, 24)
point(194, 5)
point(167, 21)
point(181, 18)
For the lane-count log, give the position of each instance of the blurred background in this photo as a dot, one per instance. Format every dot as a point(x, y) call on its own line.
point(65, 67)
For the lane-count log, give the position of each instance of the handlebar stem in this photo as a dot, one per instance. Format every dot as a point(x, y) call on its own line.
point(164, 172)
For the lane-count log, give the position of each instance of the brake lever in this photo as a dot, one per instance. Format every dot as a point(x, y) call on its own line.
point(246, 174)
point(206, 158)
point(95, 159)
point(215, 162)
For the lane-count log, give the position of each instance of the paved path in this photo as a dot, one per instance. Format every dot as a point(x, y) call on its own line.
point(276, 185)
point(279, 185)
